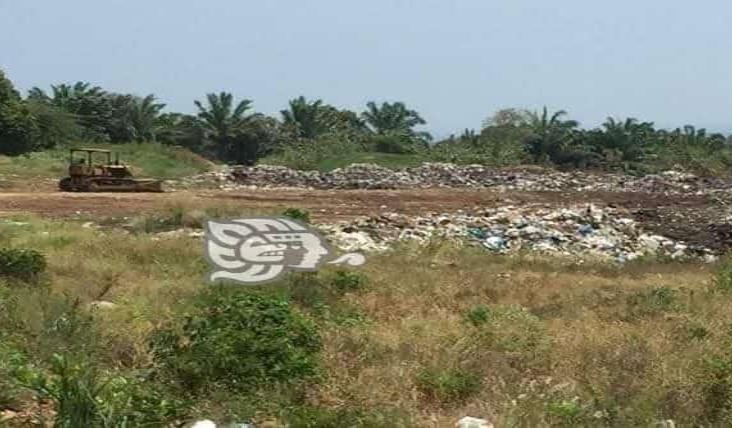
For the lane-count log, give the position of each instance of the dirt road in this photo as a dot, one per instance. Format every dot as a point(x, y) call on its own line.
point(324, 203)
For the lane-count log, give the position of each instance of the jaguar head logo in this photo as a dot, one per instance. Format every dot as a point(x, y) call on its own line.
point(260, 249)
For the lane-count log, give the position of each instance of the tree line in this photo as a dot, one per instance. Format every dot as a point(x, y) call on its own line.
point(231, 131)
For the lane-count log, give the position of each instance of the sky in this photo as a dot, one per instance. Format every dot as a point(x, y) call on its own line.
point(454, 61)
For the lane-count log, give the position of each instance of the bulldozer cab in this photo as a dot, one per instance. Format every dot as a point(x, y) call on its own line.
point(85, 162)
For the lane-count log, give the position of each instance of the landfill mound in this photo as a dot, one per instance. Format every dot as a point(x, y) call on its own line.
point(429, 175)
point(577, 231)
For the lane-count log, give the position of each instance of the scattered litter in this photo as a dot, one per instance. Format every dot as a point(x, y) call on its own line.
point(470, 422)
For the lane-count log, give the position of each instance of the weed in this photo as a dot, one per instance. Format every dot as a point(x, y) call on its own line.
point(86, 397)
point(316, 417)
point(10, 359)
point(297, 214)
point(511, 329)
point(448, 386)
point(567, 411)
point(722, 280)
point(651, 302)
point(347, 281)
point(717, 388)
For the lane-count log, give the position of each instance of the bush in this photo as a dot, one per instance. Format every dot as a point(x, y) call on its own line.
point(21, 263)
point(478, 315)
point(85, 397)
point(297, 214)
point(238, 340)
point(448, 386)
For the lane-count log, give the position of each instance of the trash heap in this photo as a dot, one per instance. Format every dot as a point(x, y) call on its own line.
point(369, 176)
point(577, 231)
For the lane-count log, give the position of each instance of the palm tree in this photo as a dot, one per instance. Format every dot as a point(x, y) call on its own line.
point(392, 118)
point(625, 140)
point(307, 119)
point(90, 105)
point(143, 115)
point(550, 134)
point(222, 119)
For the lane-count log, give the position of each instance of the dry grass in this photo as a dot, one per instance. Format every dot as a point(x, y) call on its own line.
point(556, 343)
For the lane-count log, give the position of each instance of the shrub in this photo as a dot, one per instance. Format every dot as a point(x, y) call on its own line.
point(297, 214)
point(85, 397)
point(238, 340)
point(448, 386)
point(21, 263)
point(478, 315)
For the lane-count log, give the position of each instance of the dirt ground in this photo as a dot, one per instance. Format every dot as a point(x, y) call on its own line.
point(696, 219)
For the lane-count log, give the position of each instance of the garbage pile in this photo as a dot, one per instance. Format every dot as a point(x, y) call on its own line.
point(577, 231)
point(369, 176)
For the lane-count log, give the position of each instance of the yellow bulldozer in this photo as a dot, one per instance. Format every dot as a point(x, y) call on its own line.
point(87, 176)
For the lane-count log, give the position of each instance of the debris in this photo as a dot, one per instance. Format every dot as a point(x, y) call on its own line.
point(470, 422)
point(495, 243)
point(6, 415)
point(102, 304)
point(371, 176)
point(565, 231)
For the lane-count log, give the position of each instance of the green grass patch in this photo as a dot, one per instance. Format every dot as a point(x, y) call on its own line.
point(145, 159)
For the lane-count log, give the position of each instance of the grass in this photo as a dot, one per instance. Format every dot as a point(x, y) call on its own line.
point(419, 337)
point(146, 159)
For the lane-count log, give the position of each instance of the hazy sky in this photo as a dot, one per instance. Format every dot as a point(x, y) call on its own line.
point(456, 62)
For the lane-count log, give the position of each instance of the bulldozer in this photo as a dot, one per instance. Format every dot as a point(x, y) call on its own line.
point(86, 176)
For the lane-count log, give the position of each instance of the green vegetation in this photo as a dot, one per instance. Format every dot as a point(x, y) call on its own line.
point(21, 262)
point(238, 340)
point(448, 386)
point(297, 214)
point(83, 396)
point(146, 159)
point(541, 342)
point(311, 134)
